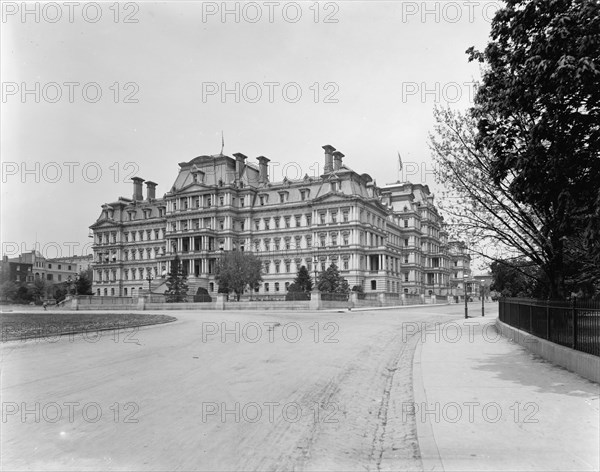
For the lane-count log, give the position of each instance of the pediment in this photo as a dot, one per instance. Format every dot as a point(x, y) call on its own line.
point(191, 188)
point(334, 197)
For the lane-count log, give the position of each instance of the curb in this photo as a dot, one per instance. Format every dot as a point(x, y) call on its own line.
point(430, 455)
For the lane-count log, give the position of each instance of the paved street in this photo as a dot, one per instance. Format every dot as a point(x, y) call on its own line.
point(235, 391)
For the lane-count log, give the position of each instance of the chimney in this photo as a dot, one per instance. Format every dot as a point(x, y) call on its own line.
point(240, 165)
point(328, 158)
point(137, 188)
point(150, 190)
point(337, 160)
point(263, 175)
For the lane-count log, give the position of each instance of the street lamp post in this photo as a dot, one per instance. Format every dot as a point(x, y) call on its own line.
point(149, 279)
point(465, 290)
point(482, 297)
point(76, 288)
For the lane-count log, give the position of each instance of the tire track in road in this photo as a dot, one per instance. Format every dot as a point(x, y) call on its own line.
point(399, 445)
point(367, 390)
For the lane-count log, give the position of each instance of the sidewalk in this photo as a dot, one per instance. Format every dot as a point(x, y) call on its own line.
point(484, 403)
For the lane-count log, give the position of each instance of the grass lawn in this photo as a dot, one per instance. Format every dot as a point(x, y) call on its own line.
point(21, 326)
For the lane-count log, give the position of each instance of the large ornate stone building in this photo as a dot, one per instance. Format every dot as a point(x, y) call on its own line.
point(386, 239)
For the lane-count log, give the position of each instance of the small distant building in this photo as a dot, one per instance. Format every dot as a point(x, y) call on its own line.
point(15, 270)
point(56, 270)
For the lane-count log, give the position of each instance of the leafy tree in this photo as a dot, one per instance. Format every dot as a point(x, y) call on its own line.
point(537, 114)
point(330, 280)
point(8, 290)
point(237, 270)
point(39, 288)
point(84, 283)
point(295, 292)
point(510, 282)
point(202, 291)
point(582, 267)
point(202, 295)
point(176, 282)
point(294, 287)
point(60, 291)
point(358, 288)
point(303, 280)
point(474, 205)
point(223, 288)
point(24, 294)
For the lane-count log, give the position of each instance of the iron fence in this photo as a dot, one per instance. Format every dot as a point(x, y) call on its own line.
point(334, 297)
point(575, 323)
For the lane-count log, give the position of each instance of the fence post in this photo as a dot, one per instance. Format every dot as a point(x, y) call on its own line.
point(141, 302)
point(353, 299)
point(547, 320)
point(531, 318)
point(575, 323)
point(220, 305)
point(315, 300)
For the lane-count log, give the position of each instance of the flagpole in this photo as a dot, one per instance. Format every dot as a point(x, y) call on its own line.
point(399, 167)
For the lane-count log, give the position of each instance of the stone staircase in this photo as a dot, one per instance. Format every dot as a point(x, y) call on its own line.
point(160, 285)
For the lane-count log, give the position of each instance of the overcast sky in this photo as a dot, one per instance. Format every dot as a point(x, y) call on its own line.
point(361, 76)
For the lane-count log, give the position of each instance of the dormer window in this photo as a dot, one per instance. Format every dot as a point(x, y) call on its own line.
point(283, 197)
point(304, 194)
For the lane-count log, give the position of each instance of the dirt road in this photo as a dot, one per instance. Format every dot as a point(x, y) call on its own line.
point(218, 391)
